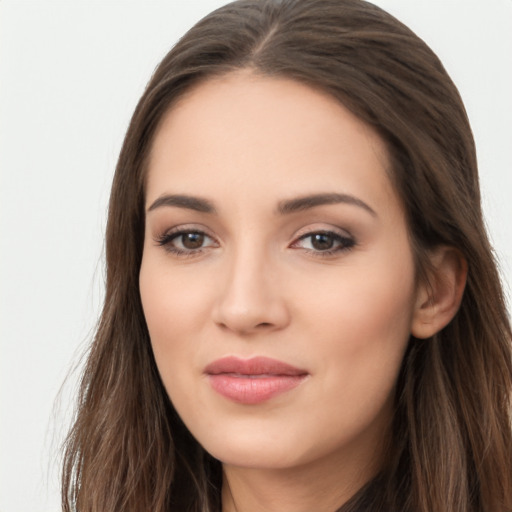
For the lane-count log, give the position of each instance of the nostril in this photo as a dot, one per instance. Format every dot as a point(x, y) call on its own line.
point(243, 312)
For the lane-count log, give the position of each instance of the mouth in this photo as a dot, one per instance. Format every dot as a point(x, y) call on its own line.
point(252, 381)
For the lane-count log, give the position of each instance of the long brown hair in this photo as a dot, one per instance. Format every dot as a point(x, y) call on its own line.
point(452, 444)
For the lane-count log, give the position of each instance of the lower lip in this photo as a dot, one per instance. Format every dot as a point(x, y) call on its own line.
point(253, 389)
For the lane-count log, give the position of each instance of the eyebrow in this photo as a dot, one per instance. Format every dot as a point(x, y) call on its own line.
point(284, 207)
point(310, 201)
point(197, 204)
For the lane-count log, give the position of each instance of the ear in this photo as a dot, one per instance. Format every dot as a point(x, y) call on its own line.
point(438, 300)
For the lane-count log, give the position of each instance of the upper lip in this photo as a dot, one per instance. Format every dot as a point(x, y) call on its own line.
point(253, 366)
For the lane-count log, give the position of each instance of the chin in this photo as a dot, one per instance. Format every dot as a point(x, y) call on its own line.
point(257, 456)
point(253, 448)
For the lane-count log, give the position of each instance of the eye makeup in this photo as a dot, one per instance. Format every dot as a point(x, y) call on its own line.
point(190, 241)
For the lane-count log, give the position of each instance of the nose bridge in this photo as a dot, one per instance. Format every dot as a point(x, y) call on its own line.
point(250, 298)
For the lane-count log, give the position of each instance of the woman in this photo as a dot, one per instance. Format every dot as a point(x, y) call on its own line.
point(302, 309)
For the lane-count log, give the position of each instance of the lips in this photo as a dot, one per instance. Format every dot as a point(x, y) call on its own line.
point(252, 381)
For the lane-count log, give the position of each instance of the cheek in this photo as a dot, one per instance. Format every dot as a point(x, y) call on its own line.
point(363, 322)
point(175, 307)
point(376, 295)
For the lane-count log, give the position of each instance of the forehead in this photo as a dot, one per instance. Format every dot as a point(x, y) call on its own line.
point(269, 137)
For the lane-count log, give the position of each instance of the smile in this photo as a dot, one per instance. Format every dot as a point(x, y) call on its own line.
point(252, 381)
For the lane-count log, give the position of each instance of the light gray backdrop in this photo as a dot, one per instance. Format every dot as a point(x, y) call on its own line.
point(70, 75)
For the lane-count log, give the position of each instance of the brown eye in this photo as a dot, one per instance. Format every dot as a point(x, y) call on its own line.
point(192, 240)
point(186, 242)
point(322, 241)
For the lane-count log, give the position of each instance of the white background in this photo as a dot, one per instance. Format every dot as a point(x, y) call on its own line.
point(70, 75)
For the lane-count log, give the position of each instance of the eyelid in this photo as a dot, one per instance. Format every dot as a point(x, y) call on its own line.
point(345, 240)
point(186, 228)
point(167, 236)
point(322, 228)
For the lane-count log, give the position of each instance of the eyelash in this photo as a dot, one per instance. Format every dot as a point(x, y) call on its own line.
point(342, 243)
point(166, 240)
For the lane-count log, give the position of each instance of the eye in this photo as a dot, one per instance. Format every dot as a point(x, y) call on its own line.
point(324, 242)
point(185, 242)
point(190, 240)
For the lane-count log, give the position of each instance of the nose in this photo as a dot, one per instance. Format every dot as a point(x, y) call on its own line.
point(250, 298)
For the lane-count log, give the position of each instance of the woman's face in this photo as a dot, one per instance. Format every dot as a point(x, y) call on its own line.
point(277, 277)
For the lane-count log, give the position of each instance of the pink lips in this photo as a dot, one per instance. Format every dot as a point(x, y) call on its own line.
point(252, 381)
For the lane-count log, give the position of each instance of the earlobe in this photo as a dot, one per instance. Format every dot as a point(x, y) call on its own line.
point(438, 300)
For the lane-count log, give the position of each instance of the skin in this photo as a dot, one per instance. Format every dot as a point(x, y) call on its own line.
point(258, 286)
